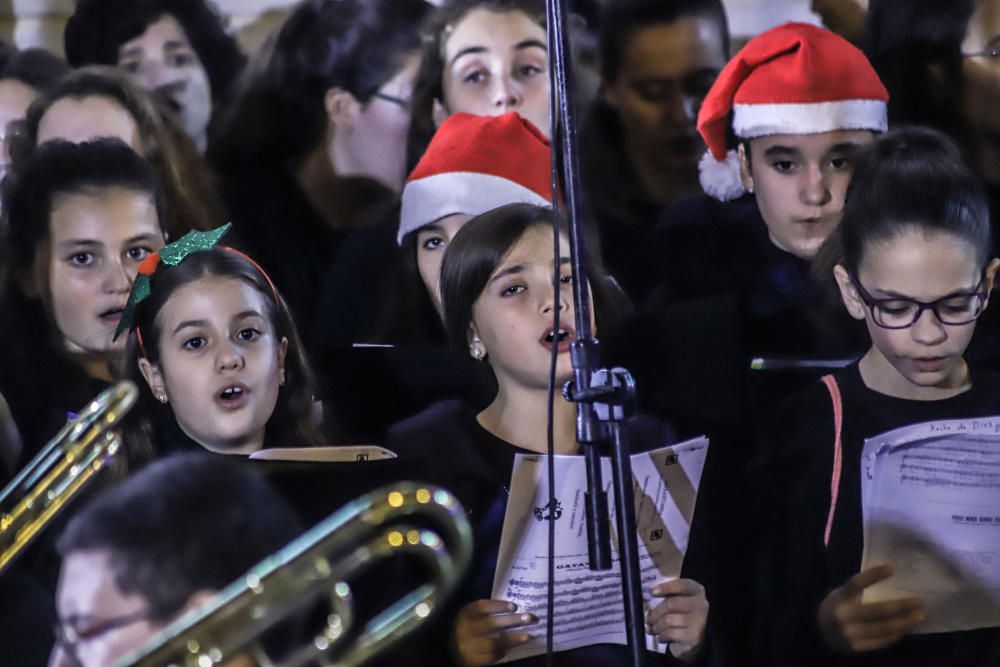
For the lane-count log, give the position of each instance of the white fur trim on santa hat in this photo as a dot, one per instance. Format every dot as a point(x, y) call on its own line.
point(761, 120)
point(721, 178)
point(434, 197)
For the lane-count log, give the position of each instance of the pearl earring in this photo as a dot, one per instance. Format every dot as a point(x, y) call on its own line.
point(476, 349)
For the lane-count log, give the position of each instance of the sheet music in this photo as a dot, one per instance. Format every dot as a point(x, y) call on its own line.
point(589, 605)
point(930, 498)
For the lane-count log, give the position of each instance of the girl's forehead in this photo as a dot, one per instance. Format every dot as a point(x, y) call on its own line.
point(484, 30)
point(212, 298)
point(918, 264)
point(535, 247)
point(104, 214)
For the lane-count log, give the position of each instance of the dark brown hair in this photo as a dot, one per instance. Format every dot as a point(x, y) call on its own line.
point(428, 86)
point(291, 422)
point(190, 199)
point(907, 179)
point(478, 249)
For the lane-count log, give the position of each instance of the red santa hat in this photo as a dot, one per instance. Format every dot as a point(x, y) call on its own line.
point(475, 164)
point(793, 79)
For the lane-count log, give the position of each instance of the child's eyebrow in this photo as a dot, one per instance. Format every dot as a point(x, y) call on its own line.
point(78, 243)
point(247, 313)
point(776, 151)
point(190, 323)
point(467, 51)
point(130, 52)
point(845, 147)
point(896, 295)
point(510, 270)
point(531, 44)
point(148, 236)
point(175, 44)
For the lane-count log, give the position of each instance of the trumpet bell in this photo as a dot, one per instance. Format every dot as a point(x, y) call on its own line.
point(406, 518)
point(61, 470)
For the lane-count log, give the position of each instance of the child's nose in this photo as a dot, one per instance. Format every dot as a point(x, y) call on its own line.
point(118, 277)
point(506, 94)
point(928, 330)
point(815, 190)
point(229, 357)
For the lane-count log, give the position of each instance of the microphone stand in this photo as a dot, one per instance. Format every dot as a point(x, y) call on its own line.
point(605, 398)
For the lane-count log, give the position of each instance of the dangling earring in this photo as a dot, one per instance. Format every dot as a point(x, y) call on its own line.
point(476, 349)
point(281, 378)
point(161, 397)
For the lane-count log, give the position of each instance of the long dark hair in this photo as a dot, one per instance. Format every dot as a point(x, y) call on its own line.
point(356, 45)
point(38, 376)
point(915, 46)
point(428, 86)
point(908, 179)
point(409, 316)
point(98, 28)
point(478, 249)
point(188, 523)
point(190, 199)
point(621, 19)
point(292, 417)
point(33, 67)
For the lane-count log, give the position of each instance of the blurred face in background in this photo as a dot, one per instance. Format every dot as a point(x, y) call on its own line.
point(85, 118)
point(97, 238)
point(495, 63)
point(15, 98)
point(981, 71)
point(163, 61)
point(98, 622)
point(666, 71)
point(369, 139)
point(432, 241)
point(800, 183)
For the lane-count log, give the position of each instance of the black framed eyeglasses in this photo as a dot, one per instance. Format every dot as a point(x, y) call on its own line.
point(68, 637)
point(392, 99)
point(902, 313)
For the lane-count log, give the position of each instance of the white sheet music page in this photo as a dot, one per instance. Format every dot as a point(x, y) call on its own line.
point(930, 498)
point(589, 606)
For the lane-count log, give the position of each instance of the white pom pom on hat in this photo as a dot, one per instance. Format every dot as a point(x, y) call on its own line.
point(721, 178)
point(794, 79)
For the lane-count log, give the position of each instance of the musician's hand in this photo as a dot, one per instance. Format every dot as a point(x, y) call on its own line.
point(849, 625)
point(680, 618)
point(486, 630)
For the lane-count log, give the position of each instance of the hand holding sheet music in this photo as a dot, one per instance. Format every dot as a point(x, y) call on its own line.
point(589, 607)
point(931, 508)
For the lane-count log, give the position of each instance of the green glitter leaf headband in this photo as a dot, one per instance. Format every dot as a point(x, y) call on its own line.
point(171, 254)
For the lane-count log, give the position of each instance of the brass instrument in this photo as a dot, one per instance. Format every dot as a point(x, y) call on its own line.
point(62, 469)
point(422, 520)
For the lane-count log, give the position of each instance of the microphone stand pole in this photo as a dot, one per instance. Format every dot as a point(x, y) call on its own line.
point(605, 398)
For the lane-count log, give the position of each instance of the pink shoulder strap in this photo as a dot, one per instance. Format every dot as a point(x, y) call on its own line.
point(838, 421)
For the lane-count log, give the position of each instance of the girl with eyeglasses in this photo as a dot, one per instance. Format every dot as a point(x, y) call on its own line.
point(312, 147)
point(913, 261)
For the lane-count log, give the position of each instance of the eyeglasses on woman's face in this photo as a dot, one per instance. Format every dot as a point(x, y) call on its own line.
point(899, 312)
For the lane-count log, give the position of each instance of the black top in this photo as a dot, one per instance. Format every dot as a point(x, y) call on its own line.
point(285, 234)
point(617, 205)
point(450, 448)
point(726, 294)
point(798, 570)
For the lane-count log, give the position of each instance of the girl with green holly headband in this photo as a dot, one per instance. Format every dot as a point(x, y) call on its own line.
point(216, 352)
